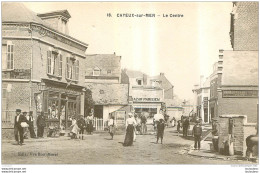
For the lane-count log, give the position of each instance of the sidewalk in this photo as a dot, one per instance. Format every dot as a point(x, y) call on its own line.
point(206, 152)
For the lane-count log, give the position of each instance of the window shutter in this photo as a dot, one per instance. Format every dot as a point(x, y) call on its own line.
point(12, 56)
point(67, 67)
point(77, 70)
point(48, 62)
point(4, 57)
point(60, 65)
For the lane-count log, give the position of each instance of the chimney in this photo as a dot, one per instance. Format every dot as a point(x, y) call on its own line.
point(57, 20)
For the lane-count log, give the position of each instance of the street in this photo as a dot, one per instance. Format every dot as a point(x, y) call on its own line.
point(100, 149)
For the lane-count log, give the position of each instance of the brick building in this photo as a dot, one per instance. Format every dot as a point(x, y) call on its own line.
point(103, 78)
point(42, 66)
point(244, 31)
point(148, 92)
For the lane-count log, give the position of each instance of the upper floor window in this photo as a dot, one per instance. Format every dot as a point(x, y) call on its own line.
point(54, 63)
point(108, 71)
point(10, 56)
point(72, 69)
point(96, 71)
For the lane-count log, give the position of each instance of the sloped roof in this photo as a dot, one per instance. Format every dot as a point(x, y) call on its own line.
point(134, 74)
point(240, 68)
point(18, 12)
point(109, 94)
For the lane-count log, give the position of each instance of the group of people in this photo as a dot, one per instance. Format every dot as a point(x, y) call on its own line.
point(79, 125)
point(132, 126)
point(23, 123)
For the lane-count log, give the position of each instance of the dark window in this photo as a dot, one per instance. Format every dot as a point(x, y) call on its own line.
point(98, 111)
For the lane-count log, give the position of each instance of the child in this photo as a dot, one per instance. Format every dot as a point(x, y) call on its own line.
point(160, 130)
point(112, 126)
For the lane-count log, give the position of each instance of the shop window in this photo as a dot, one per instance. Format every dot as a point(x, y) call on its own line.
point(54, 63)
point(72, 69)
point(53, 109)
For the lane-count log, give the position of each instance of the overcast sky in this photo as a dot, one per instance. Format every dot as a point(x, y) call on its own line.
point(182, 48)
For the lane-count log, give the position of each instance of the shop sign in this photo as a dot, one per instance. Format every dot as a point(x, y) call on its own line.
point(240, 94)
point(147, 99)
point(17, 74)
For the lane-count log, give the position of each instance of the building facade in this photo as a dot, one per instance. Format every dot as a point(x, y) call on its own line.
point(41, 65)
point(147, 92)
point(103, 78)
point(202, 96)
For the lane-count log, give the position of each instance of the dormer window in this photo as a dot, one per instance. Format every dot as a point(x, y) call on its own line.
point(96, 71)
point(139, 81)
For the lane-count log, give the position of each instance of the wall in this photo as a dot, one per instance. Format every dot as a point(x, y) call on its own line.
point(108, 109)
point(241, 106)
point(246, 26)
point(238, 131)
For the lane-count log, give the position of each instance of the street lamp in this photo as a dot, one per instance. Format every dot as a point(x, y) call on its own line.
point(41, 86)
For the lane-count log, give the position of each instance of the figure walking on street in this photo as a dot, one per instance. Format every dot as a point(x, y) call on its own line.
point(111, 126)
point(160, 130)
point(82, 125)
point(197, 132)
point(143, 124)
point(129, 137)
point(40, 125)
point(31, 126)
point(18, 129)
point(186, 124)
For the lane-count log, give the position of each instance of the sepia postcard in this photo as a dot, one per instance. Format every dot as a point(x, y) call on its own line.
point(130, 83)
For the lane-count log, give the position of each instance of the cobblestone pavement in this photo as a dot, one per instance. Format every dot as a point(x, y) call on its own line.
point(99, 149)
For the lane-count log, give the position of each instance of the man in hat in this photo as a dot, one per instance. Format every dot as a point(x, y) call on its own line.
point(197, 132)
point(40, 125)
point(18, 129)
point(31, 126)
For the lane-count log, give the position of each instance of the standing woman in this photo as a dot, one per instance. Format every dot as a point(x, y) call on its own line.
point(111, 125)
point(89, 124)
point(74, 129)
point(130, 123)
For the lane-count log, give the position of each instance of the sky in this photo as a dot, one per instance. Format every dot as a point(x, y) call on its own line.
point(183, 48)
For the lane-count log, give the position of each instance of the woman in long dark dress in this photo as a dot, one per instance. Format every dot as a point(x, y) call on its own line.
point(130, 123)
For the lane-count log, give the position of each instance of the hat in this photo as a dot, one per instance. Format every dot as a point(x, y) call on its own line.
point(130, 114)
point(197, 120)
point(25, 111)
point(18, 110)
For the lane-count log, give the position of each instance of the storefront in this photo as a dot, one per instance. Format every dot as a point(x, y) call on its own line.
point(59, 102)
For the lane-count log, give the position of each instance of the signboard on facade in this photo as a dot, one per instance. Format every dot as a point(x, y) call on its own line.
point(17, 74)
point(146, 99)
point(240, 93)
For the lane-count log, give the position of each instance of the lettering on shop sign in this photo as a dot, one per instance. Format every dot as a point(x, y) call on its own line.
point(240, 93)
point(17, 74)
point(147, 99)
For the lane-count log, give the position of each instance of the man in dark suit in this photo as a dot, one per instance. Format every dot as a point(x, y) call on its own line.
point(40, 125)
point(18, 129)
